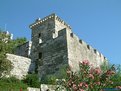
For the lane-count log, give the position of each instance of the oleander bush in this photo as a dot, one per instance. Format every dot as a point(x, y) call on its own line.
point(90, 78)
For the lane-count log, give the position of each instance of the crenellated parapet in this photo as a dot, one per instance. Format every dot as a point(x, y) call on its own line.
point(87, 46)
point(40, 21)
point(52, 16)
point(63, 22)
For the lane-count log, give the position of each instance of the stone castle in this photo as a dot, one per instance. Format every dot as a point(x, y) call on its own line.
point(54, 44)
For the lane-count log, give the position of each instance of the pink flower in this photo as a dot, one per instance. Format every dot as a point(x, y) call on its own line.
point(69, 83)
point(92, 70)
point(85, 85)
point(81, 90)
point(110, 72)
point(97, 83)
point(91, 76)
point(85, 62)
point(97, 71)
point(80, 84)
point(118, 87)
point(74, 87)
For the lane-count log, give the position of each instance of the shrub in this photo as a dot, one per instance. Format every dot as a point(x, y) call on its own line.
point(89, 78)
point(49, 79)
point(61, 73)
point(32, 80)
point(11, 83)
point(117, 77)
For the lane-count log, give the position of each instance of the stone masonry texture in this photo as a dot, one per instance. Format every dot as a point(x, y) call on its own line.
point(24, 49)
point(54, 44)
point(21, 66)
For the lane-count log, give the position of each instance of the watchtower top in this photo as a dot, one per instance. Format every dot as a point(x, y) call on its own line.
point(51, 16)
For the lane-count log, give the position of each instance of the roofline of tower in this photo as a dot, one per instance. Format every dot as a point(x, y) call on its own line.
point(53, 15)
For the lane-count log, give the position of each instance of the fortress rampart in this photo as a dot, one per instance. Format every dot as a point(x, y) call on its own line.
point(54, 44)
point(78, 50)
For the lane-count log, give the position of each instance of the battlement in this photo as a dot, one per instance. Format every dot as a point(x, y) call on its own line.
point(87, 46)
point(52, 16)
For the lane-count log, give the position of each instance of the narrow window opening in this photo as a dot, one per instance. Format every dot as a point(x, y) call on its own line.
point(71, 35)
point(39, 35)
point(40, 39)
point(80, 41)
point(95, 51)
point(40, 55)
point(88, 47)
point(104, 58)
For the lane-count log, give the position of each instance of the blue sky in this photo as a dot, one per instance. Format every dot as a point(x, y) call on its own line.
point(98, 22)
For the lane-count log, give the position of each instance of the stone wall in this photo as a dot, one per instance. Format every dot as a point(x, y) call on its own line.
point(54, 44)
point(33, 89)
point(47, 87)
point(78, 50)
point(54, 54)
point(24, 49)
point(49, 45)
point(21, 66)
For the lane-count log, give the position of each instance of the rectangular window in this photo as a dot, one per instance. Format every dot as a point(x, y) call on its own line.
point(95, 51)
point(88, 46)
point(104, 58)
point(40, 55)
point(80, 41)
point(39, 35)
point(71, 34)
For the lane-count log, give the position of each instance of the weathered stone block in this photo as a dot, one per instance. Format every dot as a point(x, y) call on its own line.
point(21, 66)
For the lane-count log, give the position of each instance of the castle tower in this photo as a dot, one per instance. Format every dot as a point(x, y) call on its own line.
point(54, 44)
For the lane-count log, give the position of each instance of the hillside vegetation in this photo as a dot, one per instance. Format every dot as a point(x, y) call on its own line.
point(7, 46)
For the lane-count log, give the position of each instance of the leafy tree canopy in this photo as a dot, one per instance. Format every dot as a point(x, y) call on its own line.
point(7, 46)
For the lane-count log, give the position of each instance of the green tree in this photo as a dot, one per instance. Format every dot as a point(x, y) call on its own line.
point(7, 46)
point(117, 77)
point(117, 68)
point(14, 43)
point(5, 65)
